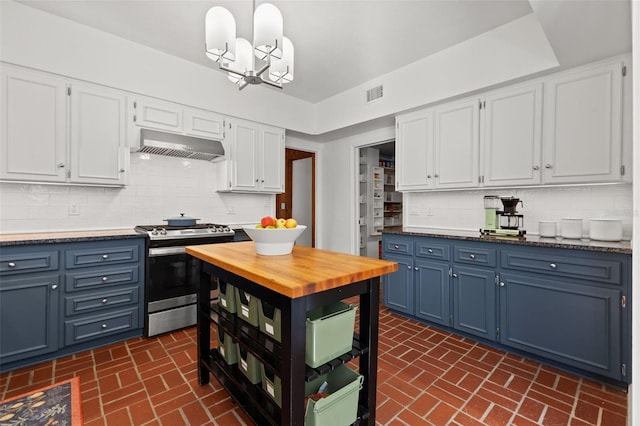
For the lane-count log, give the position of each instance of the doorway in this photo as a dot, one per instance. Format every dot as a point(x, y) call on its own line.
point(379, 205)
point(299, 198)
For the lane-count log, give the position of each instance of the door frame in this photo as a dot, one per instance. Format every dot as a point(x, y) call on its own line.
point(292, 154)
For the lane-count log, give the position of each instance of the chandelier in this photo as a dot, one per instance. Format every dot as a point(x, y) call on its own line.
point(238, 57)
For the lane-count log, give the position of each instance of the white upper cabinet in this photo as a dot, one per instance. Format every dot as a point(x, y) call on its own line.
point(414, 148)
point(254, 160)
point(511, 130)
point(98, 145)
point(56, 130)
point(456, 145)
point(203, 124)
point(157, 115)
point(34, 126)
point(583, 125)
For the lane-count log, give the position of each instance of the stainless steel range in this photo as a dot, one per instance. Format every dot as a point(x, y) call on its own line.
point(170, 294)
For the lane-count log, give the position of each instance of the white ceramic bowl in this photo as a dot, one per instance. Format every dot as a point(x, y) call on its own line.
point(571, 228)
point(274, 242)
point(547, 228)
point(605, 229)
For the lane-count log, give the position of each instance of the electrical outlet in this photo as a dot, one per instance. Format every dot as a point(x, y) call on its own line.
point(74, 209)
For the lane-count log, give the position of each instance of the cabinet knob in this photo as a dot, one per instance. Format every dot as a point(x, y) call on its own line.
point(262, 181)
point(436, 175)
point(536, 167)
point(415, 268)
point(548, 166)
point(61, 165)
point(472, 256)
point(104, 279)
point(501, 284)
point(256, 180)
point(553, 266)
point(396, 247)
point(121, 170)
point(54, 287)
point(408, 266)
point(104, 301)
point(104, 326)
point(105, 256)
point(455, 275)
point(428, 176)
point(429, 250)
point(13, 264)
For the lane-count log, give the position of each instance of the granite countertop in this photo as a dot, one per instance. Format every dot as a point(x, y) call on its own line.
point(528, 240)
point(66, 236)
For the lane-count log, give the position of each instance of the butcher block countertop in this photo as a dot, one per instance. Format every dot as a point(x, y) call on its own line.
point(305, 271)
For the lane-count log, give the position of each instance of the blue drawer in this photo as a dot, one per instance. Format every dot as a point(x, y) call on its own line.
point(398, 245)
point(19, 261)
point(433, 249)
point(474, 255)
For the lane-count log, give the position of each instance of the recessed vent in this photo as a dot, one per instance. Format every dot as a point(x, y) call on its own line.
point(374, 93)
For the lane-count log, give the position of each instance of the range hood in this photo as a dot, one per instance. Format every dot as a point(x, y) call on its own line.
point(172, 145)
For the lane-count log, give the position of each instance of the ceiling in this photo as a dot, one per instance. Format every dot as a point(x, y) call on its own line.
point(341, 44)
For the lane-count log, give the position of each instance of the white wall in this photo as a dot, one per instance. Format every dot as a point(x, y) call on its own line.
point(160, 188)
point(465, 210)
point(32, 38)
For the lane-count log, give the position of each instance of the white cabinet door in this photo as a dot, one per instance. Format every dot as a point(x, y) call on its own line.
point(511, 136)
point(244, 153)
point(583, 125)
point(271, 159)
point(414, 147)
point(34, 127)
point(98, 145)
point(456, 150)
point(204, 124)
point(158, 115)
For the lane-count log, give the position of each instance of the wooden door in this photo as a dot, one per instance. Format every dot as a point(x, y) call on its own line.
point(284, 201)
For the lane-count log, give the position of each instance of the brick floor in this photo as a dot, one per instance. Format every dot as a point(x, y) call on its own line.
point(426, 376)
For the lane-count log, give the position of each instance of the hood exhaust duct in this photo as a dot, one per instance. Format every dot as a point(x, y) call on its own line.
point(172, 145)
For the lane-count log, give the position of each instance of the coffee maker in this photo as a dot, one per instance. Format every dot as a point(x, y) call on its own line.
point(505, 222)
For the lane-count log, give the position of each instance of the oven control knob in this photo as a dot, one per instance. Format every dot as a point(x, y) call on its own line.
point(163, 231)
point(154, 231)
point(227, 229)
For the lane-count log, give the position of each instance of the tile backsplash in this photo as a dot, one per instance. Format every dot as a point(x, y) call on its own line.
point(465, 209)
point(159, 188)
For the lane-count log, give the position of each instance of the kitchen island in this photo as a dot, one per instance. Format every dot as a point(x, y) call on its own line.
point(307, 278)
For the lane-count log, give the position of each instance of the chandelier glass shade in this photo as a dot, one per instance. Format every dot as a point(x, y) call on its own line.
point(238, 56)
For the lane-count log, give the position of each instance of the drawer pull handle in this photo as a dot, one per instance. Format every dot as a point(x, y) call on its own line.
point(104, 301)
point(455, 275)
point(472, 256)
point(553, 266)
point(104, 279)
point(104, 325)
point(12, 264)
point(105, 256)
point(54, 287)
point(396, 247)
point(430, 250)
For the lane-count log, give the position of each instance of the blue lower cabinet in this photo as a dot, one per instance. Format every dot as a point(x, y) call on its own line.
point(432, 291)
point(28, 316)
point(474, 301)
point(573, 323)
point(398, 286)
point(565, 306)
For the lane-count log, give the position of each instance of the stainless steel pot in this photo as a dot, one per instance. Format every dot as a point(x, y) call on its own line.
point(181, 220)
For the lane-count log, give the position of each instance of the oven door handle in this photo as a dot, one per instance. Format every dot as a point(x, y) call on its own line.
point(165, 251)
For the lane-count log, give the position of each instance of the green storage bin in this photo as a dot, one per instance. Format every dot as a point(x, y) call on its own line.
point(329, 332)
point(269, 317)
point(227, 348)
point(341, 406)
point(227, 297)
point(249, 365)
point(247, 307)
point(271, 384)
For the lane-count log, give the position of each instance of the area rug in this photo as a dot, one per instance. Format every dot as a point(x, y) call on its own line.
point(58, 405)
